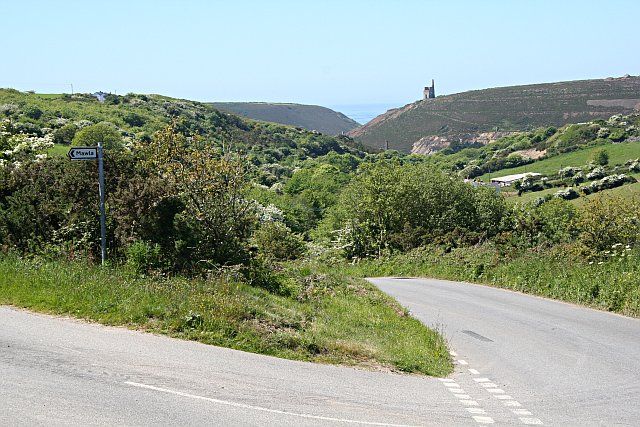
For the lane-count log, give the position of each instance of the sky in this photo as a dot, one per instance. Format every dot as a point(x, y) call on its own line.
point(316, 52)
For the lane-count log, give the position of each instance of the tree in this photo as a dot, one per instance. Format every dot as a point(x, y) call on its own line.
point(103, 131)
point(217, 219)
point(601, 157)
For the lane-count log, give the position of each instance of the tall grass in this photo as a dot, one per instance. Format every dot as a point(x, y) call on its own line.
point(612, 284)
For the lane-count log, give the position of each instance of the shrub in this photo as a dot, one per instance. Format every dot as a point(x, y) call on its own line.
point(142, 257)
point(544, 221)
point(394, 207)
point(567, 194)
point(65, 134)
point(276, 241)
point(33, 112)
point(596, 173)
point(104, 131)
point(601, 157)
point(606, 221)
point(569, 171)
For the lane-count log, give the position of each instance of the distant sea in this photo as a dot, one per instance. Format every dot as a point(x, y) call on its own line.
point(362, 113)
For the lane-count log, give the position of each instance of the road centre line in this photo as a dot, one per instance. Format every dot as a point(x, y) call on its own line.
point(258, 408)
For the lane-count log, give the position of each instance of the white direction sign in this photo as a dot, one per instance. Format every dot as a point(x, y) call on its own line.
point(83, 153)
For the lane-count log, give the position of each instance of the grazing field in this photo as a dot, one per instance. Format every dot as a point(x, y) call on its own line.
point(618, 155)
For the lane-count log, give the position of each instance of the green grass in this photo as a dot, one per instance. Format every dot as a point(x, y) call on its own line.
point(618, 154)
point(325, 318)
point(557, 273)
point(58, 150)
point(627, 190)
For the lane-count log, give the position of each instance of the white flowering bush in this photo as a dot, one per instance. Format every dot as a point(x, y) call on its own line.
point(597, 173)
point(270, 213)
point(567, 194)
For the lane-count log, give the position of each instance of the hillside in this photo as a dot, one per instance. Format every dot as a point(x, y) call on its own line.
point(472, 118)
point(310, 117)
point(136, 117)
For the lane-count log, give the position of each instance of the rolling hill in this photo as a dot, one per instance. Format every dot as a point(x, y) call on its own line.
point(480, 116)
point(310, 117)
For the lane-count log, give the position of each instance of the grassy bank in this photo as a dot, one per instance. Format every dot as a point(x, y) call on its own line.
point(325, 318)
point(611, 285)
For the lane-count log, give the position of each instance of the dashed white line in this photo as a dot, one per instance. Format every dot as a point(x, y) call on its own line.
point(469, 403)
point(504, 397)
point(512, 403)
point(521, 412)
point(257, 408)
point(531, 421)
point(456, 390)
point(495, 390)
point(482, 380)
point(465, 396)
point(473, 410)
point(451, 385)
point(489, 385)
point(474, 372)
point(447, 380)
point(462, 362)
point(483, 420)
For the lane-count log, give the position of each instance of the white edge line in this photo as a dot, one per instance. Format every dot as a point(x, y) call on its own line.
point(258, 408)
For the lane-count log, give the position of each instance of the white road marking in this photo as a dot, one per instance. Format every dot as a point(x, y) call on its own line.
point(476, 410)
point(462, 362)
point(483, 420)
point(456, 390)
point(474, 372)
point(504, 397)
point(453, 353)
point(495, 390)
point(489, 385)
point(521, 412)
point(512, 403)
point(258, 408)
point(531, 421)
point(451, 385)
point(447, 380)
point(469, 402)
point(482, 380)
point(462, 396)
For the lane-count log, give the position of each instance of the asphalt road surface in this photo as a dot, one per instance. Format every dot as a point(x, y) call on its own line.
point(544, 360)
point(520, 361)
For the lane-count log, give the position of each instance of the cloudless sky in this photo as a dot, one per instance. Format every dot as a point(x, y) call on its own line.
point(319, 52)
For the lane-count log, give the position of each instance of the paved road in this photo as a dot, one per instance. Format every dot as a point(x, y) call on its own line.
point(563, 364)
point(521, 360)
point(59, 371)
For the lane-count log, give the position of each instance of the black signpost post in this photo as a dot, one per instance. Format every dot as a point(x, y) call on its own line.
point(93, 153)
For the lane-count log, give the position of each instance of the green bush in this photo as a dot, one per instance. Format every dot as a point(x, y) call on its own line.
point(607, 221)
point(399, 207)
point(276, 241)
point(143, 257)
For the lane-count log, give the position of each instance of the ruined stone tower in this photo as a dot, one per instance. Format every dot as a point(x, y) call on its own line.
point(430, 91)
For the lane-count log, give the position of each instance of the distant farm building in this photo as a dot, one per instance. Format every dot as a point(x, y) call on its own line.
point(507, 180)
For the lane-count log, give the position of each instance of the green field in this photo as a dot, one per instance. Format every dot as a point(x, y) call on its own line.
point(618, 155)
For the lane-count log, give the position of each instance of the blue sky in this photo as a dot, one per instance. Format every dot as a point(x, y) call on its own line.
point(322, 52)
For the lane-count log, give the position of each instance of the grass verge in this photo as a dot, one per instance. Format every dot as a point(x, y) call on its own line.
point(323, 317)
point(611, 285)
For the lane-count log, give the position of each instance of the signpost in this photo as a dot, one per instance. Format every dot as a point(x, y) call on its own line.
point(93, 153)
